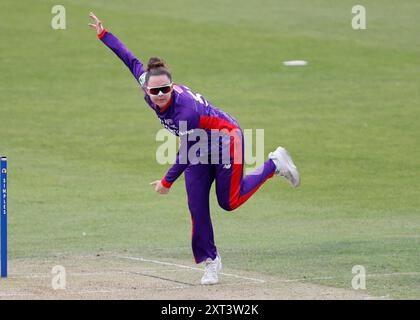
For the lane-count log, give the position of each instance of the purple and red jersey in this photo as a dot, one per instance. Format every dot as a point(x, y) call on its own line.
point(185, 106)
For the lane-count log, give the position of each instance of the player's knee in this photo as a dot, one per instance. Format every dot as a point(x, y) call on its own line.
point(225, 205)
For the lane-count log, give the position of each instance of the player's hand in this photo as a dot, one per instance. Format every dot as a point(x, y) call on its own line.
point(159, 188)
point(97, 24)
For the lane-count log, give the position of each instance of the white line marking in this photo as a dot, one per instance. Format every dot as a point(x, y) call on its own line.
point(188, 267)
point(130, 290)
point(378, 298)
point(86, 274)
point(303, 279)
point(393, 274)
point(373, 275)
point(16, 294)
point(28, 276)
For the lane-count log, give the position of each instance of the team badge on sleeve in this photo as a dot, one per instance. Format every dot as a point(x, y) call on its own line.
point(142, 79)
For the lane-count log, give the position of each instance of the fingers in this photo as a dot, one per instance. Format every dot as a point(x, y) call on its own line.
point(92, 25)
point(155, 185)
point(92, 15)
point(158, 188)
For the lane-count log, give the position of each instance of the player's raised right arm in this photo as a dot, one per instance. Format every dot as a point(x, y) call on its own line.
point(112, 42)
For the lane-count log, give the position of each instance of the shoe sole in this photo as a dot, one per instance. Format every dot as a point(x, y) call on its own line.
point(209, 283)
point(291, 167)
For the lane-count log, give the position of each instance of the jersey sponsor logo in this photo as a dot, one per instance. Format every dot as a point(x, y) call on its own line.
point(173, 128)
point(183, 133)
point(170, 126)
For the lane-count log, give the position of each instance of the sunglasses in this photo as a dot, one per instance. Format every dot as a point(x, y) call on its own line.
point(164, 89)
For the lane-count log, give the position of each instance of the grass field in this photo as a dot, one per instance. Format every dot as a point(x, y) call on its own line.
point(81, 140)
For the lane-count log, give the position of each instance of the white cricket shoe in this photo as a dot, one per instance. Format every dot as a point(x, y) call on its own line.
point(285, 166)
point(211, 269)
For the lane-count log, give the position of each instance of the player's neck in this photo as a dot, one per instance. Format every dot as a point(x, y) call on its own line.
point(166, 106)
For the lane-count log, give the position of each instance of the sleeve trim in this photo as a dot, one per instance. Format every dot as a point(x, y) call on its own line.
point(102, 34)
point(165, 183)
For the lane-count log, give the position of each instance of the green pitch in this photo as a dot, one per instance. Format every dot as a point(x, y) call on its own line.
point(81, 140)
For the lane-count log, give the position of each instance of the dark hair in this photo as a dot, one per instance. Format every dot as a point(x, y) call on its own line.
point(156, 67)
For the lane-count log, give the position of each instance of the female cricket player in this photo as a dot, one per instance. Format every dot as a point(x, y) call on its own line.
point(174, 105)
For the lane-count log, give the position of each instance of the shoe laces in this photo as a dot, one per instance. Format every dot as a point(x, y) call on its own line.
point(211, 266)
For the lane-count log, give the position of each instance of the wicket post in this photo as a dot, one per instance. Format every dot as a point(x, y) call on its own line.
point(3, 212)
